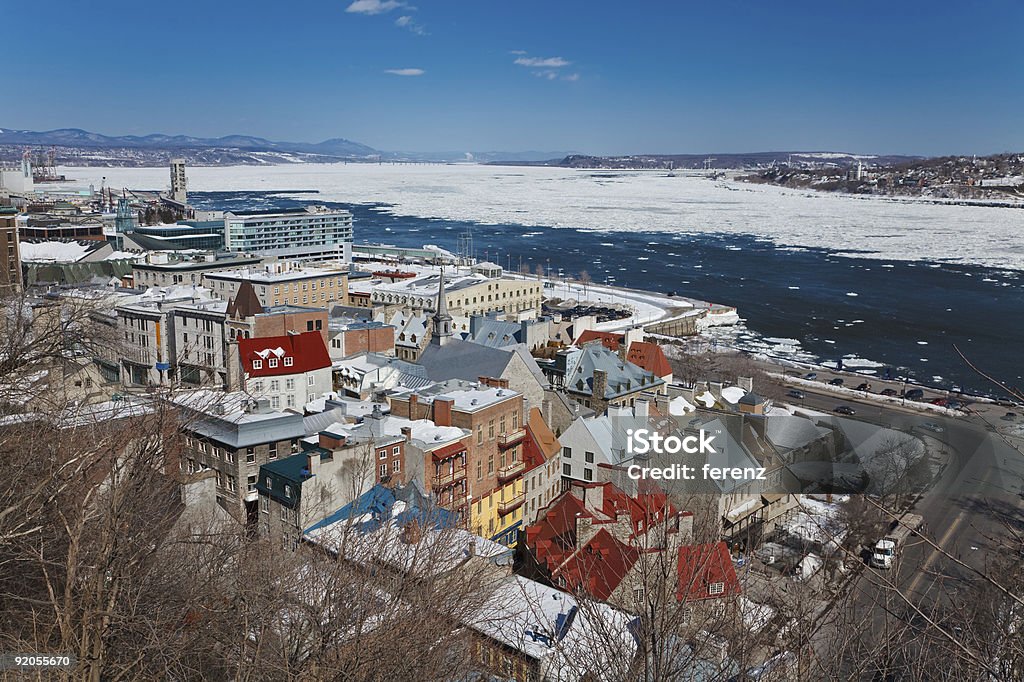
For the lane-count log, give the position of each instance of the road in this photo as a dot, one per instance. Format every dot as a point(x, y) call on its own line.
point(979, 491)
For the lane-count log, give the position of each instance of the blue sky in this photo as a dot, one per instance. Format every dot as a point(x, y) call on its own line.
point(598, 77)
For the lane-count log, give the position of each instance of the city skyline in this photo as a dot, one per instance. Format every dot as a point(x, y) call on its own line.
point(589, 77)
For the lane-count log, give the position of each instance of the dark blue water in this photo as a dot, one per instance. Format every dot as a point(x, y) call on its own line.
point(906, 315)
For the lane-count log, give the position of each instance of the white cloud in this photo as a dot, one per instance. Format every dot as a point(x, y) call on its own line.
point(571, 77)
point(543, 62)
point(405, 72)
point(374, 6)
point(550, 75)
point(406, 21)
point(517, 51)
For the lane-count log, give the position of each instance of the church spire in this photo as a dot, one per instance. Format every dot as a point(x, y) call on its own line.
point(442, 330)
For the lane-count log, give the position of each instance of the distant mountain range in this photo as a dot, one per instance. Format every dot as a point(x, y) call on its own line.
point(74, 146)
point(75, 137)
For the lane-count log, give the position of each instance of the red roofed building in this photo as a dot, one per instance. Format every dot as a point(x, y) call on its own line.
point(609, 340)
point(592, 538)
point(644, 354)
point(650, 357)
point(289, 370)
point(542, 480)
point(706, 572)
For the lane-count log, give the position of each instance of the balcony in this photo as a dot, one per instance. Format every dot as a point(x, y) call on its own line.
point(509, 506)
point(446, 479)
point(511, 471)
point(507, 440)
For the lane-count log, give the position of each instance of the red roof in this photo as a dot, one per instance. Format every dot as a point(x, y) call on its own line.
point(541, 444)
point(706, 572)
point(270, 356)
point(650, 357)
point(609, 340)
point(451, 450)
point(599, 566)
point(603, 562)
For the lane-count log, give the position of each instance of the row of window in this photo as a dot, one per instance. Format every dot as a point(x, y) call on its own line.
point(587, 455)
point(272, 363)
point(324, 283)
point(588, 474)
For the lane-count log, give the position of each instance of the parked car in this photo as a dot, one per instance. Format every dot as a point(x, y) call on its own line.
point(941, 402)
point(933, 427)
point(864, 387)
point(914, 394)
point(836, 382)
point(888, 392)
point(1009, 416)
point(811, 376)
point(798, 395)
point(845, 409)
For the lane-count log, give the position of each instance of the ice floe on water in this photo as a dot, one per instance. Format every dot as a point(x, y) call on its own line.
point(635, 201)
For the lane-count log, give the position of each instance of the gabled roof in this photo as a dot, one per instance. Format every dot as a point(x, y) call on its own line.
point(280, 355)
point(245, 303)
point(600, 565)
point(622, 376)
point(609, 340)
point(650, 357)
point(703, 566)
point(541, 444)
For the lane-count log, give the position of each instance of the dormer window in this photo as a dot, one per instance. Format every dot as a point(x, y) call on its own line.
point(716, 588)
point(272, 363)
point(257, 364)
point(288, 362)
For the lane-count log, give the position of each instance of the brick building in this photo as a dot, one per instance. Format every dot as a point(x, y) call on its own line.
point(493, 414)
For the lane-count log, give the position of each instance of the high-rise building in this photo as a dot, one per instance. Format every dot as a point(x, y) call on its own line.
point(312, 233)
point(179, 183)
point(10, 253)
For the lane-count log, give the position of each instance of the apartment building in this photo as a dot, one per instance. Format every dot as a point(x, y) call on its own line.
point(311, 233)
point(493, 414)
point(283, 283)
point(235, 435)
point(289, 370)
point(10, 253)
point(465, 294)
point(201, 351)
point(163, 269)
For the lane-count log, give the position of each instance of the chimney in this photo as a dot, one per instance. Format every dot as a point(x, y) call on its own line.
point(443, 411)
point(640, 409)
point(716, 389)
point(313, 463)
point(584, 529)
point(600, 384)
point(746, 383)
point(414, 402)
point(329, 442)
point(474, 324)
point(593, 498)
point(407, 433)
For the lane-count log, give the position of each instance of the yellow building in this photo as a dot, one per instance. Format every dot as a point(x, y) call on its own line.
point(281, 283)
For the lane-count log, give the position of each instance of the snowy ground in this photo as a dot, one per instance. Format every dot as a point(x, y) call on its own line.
point(611, 201)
